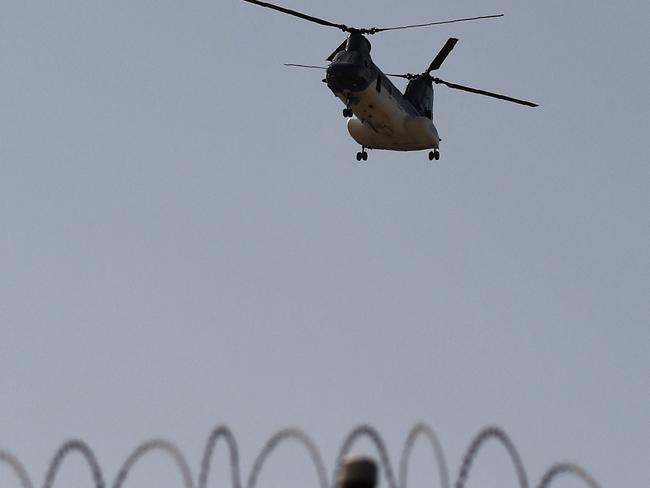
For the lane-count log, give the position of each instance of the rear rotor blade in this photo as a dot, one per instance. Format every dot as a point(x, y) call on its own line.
point(299, 15)
point(292, 65)
point(442, 55)
point(407, 76)
point(483, 92)
point(374, 30)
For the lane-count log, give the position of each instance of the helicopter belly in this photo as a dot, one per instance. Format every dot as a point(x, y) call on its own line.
point(419, 136)
point(380, 122)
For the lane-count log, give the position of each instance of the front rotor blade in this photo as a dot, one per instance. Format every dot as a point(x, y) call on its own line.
point(337, 50)
point(483, 92)
point(374, 30)
point(442, 55)
point(299, 15)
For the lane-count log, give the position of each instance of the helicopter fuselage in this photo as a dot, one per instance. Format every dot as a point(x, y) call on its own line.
point(382, 117)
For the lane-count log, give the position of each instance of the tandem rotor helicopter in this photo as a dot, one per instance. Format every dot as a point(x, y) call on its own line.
point(379, 115)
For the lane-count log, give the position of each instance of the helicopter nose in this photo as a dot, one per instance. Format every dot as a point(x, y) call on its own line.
point(345, 76)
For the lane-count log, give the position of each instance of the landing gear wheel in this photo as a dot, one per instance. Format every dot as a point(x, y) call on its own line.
point(364, 156)
point(347, 113)
point(431, 155)
point(434, 155)
point(359, 156)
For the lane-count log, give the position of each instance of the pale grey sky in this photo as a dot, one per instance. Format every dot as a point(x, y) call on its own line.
point(188, 240)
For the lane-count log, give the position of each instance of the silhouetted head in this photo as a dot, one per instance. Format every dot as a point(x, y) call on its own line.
point(357, 472)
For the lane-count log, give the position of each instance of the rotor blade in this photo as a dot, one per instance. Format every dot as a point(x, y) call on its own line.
point(337, 50)
point(442, 55)
point(292, 65)
point(407, 76)
point(299, 15)
point(483, 92)
point(467, 19)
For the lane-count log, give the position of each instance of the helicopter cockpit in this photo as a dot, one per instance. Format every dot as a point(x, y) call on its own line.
point(352, 68)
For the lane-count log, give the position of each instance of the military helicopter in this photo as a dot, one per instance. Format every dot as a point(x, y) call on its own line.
point(379, 115)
